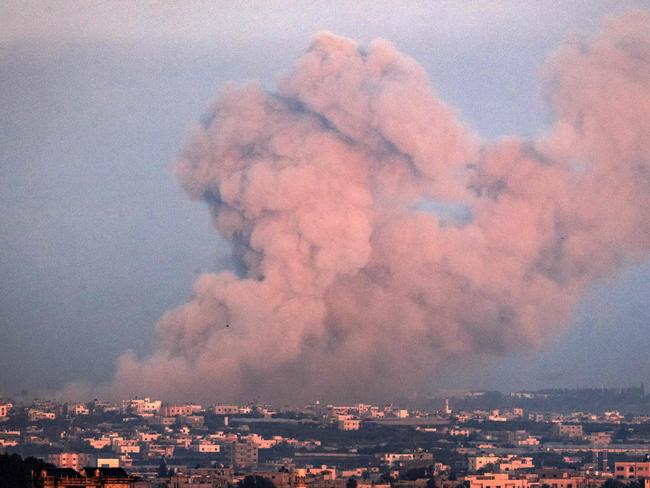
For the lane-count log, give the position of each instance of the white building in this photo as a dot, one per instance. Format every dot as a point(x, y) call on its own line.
point(142, 406)
point(79, 409)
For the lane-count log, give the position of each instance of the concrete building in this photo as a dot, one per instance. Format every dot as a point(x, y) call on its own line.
point(4, 409)
point(349, 424)
point(205, 446)
point(243, 454)
point(632, 470)
point(515, 463)
point(474, 463)
point(107, 462)
point(600, 438)
point(407, 458)
point(72, 460)
point(86, 478)
point(35, 415)
point(174, 410)
point(568, 431)
point(296, 478)
point(142, 406)
point(507, 464)
point(127, 446)
point(564, 481)
point(226, 409)
point(78, 409)
point(391, 458)
point(498, 480)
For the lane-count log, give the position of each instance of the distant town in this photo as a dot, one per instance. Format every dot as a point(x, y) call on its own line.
point(579, 438)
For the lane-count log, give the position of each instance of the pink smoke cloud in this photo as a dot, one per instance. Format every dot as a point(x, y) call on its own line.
point(343, 287)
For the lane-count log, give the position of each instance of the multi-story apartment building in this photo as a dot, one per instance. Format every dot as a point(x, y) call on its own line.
point(567, 431)
point(243, 454)
point(632, 470)
point(73, 460)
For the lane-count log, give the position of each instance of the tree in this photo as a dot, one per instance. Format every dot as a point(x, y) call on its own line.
point(416, 473)
point(18, 473)
point(163, 472)
point(386, 477)
point(487, 468)
point(612, 483)
point(256, 482)
point(352, 483)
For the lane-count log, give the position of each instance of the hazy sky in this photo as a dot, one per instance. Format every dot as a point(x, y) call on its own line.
point(96, 239)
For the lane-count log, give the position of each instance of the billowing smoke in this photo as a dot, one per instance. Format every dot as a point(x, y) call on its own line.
point(375, 238)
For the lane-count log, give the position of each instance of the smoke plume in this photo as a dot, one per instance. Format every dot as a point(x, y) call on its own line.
point(351, 279)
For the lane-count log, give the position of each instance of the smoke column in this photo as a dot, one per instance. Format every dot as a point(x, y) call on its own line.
point(345, 285)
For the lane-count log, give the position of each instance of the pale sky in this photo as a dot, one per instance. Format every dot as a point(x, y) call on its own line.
point(97, 239)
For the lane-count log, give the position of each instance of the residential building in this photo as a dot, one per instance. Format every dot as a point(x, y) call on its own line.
point(496, 480)
point(568, 431)
point(176, 410)
point(4, 409)
point(349, 424)
point(243, 454)
point(107, 462)
point(142, 406)
point(632, 470)
point(226, 409)
point(72, 460)
point(475, 463)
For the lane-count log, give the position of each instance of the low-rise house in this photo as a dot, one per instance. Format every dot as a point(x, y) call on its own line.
point(5, 408)
point(494, 480)
point(205, 446)
point(226, 409)
point(349, 424)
